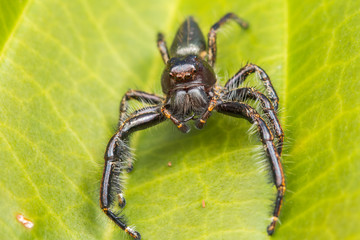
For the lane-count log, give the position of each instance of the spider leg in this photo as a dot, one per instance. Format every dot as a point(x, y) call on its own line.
point(199, 124)
point(241, 76)
point(237, 109)
point(139, 96)
point(215, 28)
point(163, 48)
point(180, 125)
point(117, 152)
point(242, 94)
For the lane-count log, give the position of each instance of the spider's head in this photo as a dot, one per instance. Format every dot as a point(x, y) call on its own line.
point(185, 72)
point(187, 81)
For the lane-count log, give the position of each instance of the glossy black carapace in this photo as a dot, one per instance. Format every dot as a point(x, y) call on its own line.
point(191, 94)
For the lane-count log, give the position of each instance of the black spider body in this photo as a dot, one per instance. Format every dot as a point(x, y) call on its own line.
point(188, 80)
point(192, 93)
point(189, 40)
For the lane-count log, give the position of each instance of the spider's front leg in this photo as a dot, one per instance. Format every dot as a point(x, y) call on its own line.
point(116, 157)
point(242, 94)
point(243, 110)
point(140, 96)
point(199, 124)
point(148, 98)
point(182, 126)
point(244, 72)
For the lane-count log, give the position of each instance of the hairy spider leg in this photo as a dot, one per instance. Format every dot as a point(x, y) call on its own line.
point(116, 155)
point(161, 43)
point(180, 125)
point(243, 110)
point(242, 94)
point(215, 28)
point(138, 96)
point(244, 72)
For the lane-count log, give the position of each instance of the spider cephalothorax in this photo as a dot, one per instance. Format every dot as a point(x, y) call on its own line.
point(187, 82)
point(192, 93)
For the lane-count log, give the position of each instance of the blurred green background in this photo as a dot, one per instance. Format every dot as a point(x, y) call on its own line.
point(64, 66)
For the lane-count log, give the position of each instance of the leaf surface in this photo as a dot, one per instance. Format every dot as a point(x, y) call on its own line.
point(64, 66)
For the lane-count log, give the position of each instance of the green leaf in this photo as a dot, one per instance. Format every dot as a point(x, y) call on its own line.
point(64, 66)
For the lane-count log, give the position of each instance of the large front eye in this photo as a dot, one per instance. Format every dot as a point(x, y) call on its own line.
point(188, 75)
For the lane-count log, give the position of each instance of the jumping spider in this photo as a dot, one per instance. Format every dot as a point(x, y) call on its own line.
point(192, 93)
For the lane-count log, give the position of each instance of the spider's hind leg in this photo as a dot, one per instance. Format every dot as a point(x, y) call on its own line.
point(213, 31)
point(163, 48)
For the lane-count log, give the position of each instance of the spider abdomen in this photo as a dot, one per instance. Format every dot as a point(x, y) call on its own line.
point(188, 40)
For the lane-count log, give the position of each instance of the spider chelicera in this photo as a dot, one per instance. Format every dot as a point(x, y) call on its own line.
point(192, 93)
